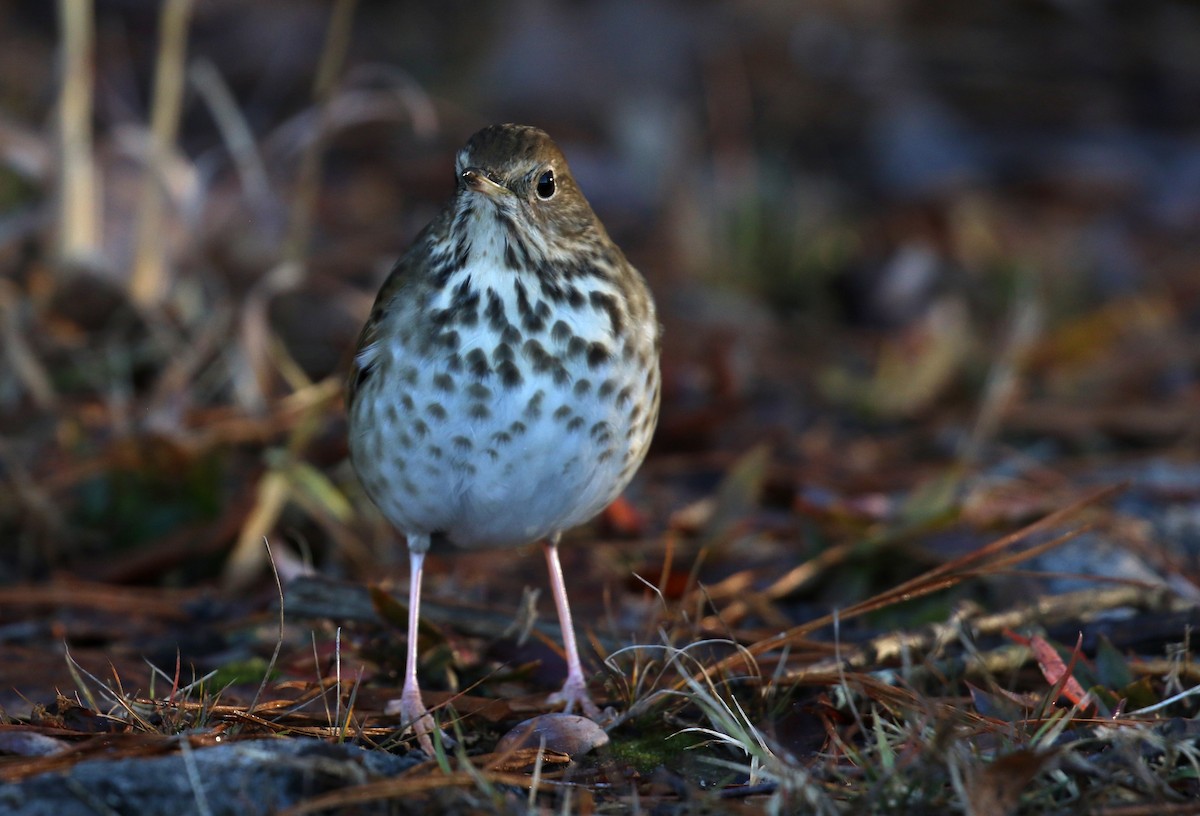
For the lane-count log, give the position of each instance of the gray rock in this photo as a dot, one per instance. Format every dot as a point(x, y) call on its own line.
point(247, 778)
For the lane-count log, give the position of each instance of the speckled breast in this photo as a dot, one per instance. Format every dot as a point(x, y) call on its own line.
point(499, 413)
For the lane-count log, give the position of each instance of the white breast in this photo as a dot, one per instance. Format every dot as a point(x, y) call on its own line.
point(491, 463)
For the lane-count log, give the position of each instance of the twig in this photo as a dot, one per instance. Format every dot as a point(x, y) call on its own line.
point(235, 131)
point(149, 284)
point(78, 201)
point(938, 578)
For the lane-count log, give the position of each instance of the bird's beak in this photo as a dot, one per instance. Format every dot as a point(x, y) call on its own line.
point(478, 180)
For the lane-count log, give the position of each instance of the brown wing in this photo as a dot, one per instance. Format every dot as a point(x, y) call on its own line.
point(398, 279)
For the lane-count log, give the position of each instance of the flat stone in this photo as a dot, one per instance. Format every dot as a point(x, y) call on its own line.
point(248, 778)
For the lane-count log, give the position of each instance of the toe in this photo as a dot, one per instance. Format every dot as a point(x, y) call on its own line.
point(574, 694)
point(413, 714)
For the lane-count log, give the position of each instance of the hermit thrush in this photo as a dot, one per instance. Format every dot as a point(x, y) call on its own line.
point(506, 384)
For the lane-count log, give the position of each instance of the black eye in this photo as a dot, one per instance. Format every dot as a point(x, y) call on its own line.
point(545, 185)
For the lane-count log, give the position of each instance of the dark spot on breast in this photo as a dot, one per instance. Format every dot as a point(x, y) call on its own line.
point(454, 363)
point(462, 444)
point(479, 391)
point(443, 272)
point(435, 451)
point(435, 411)
point(509, 373)
point(503, 351)
point(537, 355)
point(391, 413)
point(443, 382)
point(550, 286)
point(406, 402)
point(420, 428)
point(533, 322)
point(479, 411)
point(523, 307)
point(562, 412)
point(574, 297)
point(533, 409)
point(561, 375)
point(409, 375)
point(582, 387)
point(495, 311)
point(608, 303)
point(477, 363)
point(449, 340)
point(575, 424)
point(501, 438)
point(492, 453)
point(607, 388)
point(624, 395)
point(561, 332)
point(464, 296)
point(597, 355)
point(517, 428)
point(576, 347)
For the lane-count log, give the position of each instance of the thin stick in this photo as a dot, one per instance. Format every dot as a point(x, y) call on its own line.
point(78, 202)
point(149, 283)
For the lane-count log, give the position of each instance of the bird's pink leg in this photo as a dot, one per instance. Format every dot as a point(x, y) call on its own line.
point(574, 692)
point(410, 707)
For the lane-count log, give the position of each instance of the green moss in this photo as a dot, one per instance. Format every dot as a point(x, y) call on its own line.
point(654, 747)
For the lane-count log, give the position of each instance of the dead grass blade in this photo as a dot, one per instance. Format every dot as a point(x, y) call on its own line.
point(940, 577)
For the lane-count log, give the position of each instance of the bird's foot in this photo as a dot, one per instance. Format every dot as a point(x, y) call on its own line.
point(413, 714)
point(574, 694)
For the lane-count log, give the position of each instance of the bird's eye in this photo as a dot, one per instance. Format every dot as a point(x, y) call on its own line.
point(545, 185)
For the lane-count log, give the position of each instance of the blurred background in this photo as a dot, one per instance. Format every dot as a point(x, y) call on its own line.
point(897, 243)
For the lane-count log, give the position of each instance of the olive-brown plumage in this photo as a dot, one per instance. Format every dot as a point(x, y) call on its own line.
point(506, 385)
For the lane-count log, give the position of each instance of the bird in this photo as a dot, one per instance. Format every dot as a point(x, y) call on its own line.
point(506, 384)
